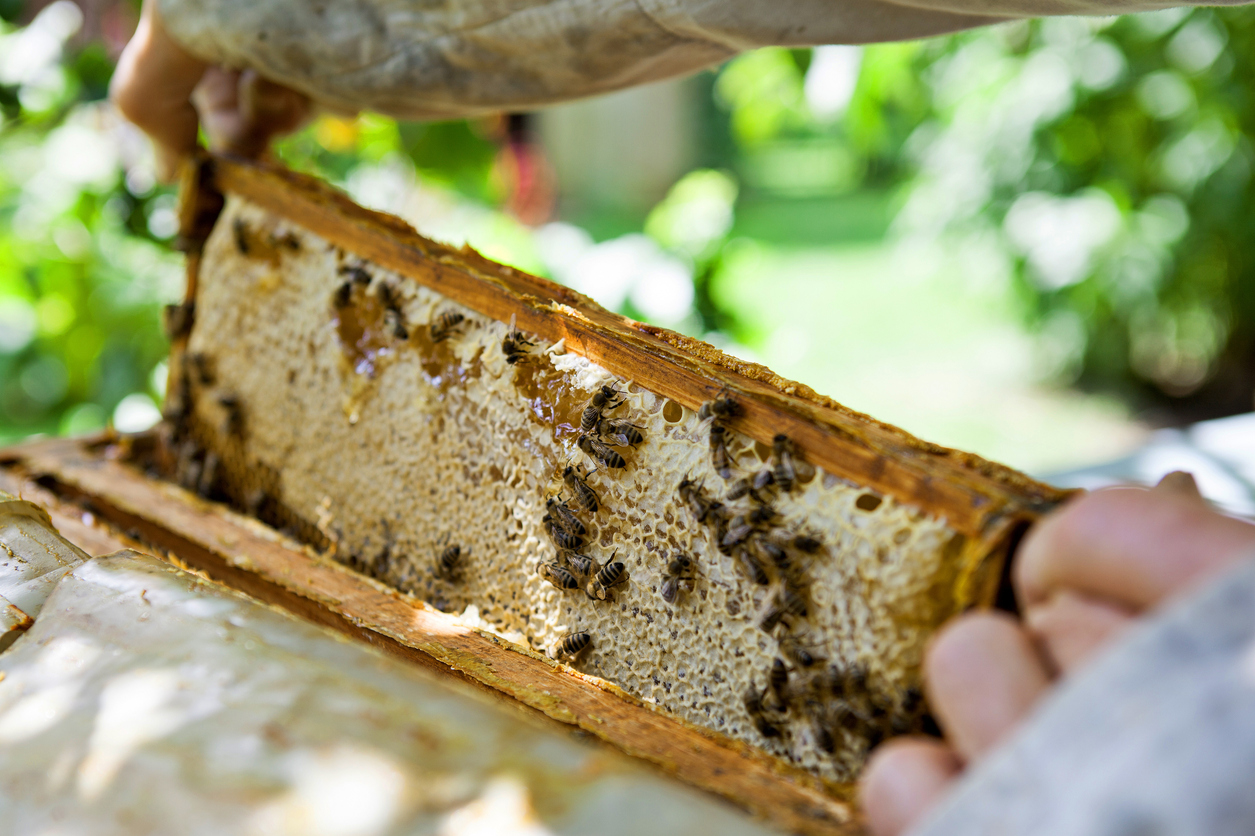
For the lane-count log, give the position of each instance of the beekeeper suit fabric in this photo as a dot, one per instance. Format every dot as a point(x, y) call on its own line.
point(423, 59)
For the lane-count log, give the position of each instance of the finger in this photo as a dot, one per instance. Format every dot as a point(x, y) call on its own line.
point(152, 87)
point(217, 100)
point(903, 779)
point(242, 112)
point(1129, 546)
point(1069, 628)
point(271, 108)
point(983, 675)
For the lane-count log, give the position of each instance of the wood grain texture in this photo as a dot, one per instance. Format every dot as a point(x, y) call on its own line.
point(254, 559)
point(978, 498)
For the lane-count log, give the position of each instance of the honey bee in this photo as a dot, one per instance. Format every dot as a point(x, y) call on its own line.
point(443, 325)
point(762, 479)
point(621, 432)
point(771, 619)
point(572, 644)
point(753, 700)
point(739, 528)
point(582, 564)
point(806, 543)
point(393, 315)
point(742, 526)
point(849, 685)
point(356, 273)
point(783, 470)
point(178, 319)
point(202, 365)
point(786, 603)
point(514, 346)
point(565, 517)
point(793, 603)
point(388, 296)
point(558, 576)
point(585, 497)
point(754, 569)
point(396, 324)
point(778, 682)
point(208, 480)
point(602, 401)
point(797, 652)
point(447, 562)
point(343, 295)
point(722, 407)
point(719, 520)
point(770, 549)
point(563, 538)
point(719, 457)
point(747, 487)
point(611, 574)
point(234, 423)
point(823, 737)
point(600, 451)
point(762, 515)
point(677, 575)
point(240, 229)
point(692, 495)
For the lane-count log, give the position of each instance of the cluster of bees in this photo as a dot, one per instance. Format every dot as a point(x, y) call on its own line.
point(442, 326)
point(746, 527)
point(600, 434)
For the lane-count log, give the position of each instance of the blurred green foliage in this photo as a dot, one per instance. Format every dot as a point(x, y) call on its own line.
point(1111, 161)
point(84, 268)
point(1106, 161)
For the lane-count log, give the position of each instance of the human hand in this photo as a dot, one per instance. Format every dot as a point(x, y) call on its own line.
point(1082, 576)
point(168, 93)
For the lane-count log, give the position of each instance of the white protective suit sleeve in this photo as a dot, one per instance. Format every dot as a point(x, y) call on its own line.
point(1155, 737)
point(435, 59)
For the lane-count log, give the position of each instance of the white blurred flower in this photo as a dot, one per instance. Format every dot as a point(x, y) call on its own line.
point(386, 187)
point(1060, 235)
point(831, 79)
point(697, 211)
point(135, 413)
point(1164, 94)
point(1197, 46)
point(17, 324)
point(1100, 64)
point(81, 154)
point(663, 290)
point(157, 380)
point(31, 53)
point(1198, 154)
point(163, 220)
point(632, 266)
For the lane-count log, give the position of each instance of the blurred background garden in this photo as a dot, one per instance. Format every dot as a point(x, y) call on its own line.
point(1033, 241)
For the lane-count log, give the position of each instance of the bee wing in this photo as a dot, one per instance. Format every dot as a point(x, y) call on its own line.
point(804, 469)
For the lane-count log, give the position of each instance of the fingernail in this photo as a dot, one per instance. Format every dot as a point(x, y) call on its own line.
point(1179, 483)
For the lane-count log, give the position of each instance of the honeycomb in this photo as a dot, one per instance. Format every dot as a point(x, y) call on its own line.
point(311, 393)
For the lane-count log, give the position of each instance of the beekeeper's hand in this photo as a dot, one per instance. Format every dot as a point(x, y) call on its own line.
point(169, 93)
point(1082, 577)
